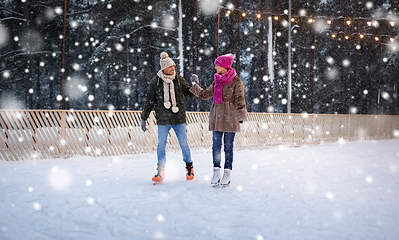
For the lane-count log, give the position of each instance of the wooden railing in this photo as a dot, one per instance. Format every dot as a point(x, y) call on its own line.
point(38, 134)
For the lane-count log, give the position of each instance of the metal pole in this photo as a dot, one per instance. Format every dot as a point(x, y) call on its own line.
point(314, 70)
point(180, 37)
point(314, 59)
point(217, 51)
point(63, 56)
point(289, 59)
point(379, 82)
point(128, 74)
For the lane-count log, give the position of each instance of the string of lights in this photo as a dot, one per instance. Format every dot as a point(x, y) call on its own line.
point(276, 16)
point(356, 22)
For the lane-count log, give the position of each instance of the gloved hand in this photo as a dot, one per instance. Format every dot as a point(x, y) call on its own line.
point(244, 127)
point(143, 125)
point(194, 79)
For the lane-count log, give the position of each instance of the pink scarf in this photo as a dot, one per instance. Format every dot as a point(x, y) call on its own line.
point(221, 80)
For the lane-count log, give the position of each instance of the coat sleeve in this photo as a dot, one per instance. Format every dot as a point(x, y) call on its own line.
point(201, 93)
point(186, 90)
point(150, 101)
point(240, 101)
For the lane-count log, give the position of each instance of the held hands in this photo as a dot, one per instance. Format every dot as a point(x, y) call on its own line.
point(143, 125)
point(244, 126)
point(194, 79)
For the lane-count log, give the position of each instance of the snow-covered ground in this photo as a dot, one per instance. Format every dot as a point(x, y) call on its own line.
point(345, 190)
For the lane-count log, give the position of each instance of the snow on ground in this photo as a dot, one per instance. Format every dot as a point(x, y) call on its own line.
point(346, 190)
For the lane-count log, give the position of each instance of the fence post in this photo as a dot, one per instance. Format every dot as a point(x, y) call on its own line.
point(313, 128)
point(349, 127)
point(151, 127)
point(63, 134)
point(378, 131)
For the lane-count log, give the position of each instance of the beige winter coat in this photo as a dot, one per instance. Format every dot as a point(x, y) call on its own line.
point(225, 117)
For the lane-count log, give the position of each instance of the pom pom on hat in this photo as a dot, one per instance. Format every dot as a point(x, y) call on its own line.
point(166, 61)
point(164, 55)
point(225, 61)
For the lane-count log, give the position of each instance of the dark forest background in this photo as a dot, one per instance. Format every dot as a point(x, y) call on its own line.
point(344, 53)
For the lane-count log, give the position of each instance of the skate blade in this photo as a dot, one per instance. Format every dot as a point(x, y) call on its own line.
point(220, 185)
point(156, 183)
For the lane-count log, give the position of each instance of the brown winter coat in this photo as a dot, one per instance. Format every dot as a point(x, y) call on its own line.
point(225, 116)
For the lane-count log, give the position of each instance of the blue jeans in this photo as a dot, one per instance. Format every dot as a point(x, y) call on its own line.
point(180, 130)
point(228, 139)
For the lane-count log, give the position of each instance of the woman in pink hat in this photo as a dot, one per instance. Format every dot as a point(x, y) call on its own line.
point(227, 112)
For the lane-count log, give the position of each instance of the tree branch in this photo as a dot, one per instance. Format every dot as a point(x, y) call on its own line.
point(8, 18)
point(8, 10)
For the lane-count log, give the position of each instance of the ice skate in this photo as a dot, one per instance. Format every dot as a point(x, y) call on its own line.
point(189, 171)
point(158, 178)
point(226, 178)
point(216, 176)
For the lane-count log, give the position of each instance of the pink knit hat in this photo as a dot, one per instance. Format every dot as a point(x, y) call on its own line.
point(225, 61)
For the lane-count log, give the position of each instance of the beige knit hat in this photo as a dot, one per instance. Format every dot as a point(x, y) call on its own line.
point(166, 61)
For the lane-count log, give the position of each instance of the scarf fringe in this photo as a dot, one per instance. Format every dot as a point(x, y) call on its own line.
point(169, 91)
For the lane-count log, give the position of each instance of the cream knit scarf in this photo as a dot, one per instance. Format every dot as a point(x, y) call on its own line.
point(168, 91)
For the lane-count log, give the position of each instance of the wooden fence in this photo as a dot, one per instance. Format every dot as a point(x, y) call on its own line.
point(40, 134)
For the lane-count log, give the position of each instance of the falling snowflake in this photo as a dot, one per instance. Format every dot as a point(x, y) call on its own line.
point(321, 26)
point(31, 41)
point(119, 47)
point(282, 72)
point(6, 74)
point(3, 36)
point(37, 206)
point(330, 60)
point(88, 182)
point(90, 201)
point(160, 218)
point(209, 7)
point(154, 25)
point(369, 180)
point(330, 195)
point(332, 73)
point(385, 95)
point(74, 24)
point(270, 109)
point(346, 63)
point(168, 22)
point(353, 110)
point(59, 178)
